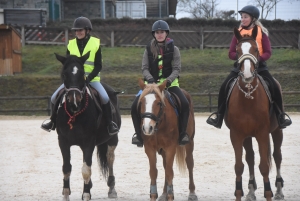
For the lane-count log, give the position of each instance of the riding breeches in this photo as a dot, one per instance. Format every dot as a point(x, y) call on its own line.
point(97, 85)
point(185, 108)
point(135, 116)
point(223, 92)
point(274, 89)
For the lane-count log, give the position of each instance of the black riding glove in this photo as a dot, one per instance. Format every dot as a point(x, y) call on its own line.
point(168, 84)
point(87, 80)
point(151, 81)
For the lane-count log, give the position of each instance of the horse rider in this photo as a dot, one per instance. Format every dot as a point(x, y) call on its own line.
point(161, 61)
point(249, 19)
point(82, 44)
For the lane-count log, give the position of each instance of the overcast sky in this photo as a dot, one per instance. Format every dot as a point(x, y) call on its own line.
point(285, 10)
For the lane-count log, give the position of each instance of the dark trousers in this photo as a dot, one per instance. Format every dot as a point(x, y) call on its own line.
point(274, 90)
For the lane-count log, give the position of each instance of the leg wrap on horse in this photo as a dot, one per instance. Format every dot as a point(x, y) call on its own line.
point(279, 180)
point(66, 183)
point(170, 189)
point(238, 186)
point(111, 181)
point(253, 182)
point(153, 190)
point(86, 188)
point(267, 187)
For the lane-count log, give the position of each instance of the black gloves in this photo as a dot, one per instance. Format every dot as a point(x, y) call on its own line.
point(151, 81)
point(168, 84)
point(87, 80)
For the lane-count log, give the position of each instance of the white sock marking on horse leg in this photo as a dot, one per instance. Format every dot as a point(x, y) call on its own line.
point(86, 173)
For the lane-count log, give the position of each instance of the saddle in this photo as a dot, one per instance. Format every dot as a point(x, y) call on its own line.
point(174, 101)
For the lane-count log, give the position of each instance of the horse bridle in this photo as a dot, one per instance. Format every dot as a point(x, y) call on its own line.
point(254, 60)
point(72, 117)
point(153, 116)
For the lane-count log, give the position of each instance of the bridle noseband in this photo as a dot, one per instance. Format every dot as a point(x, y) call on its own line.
point(153, 116)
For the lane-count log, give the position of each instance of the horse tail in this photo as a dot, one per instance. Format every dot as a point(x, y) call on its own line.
point(102, 159)
point(270, 155)
point(180, 159)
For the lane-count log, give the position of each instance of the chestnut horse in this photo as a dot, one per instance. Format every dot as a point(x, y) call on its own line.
point(159, 126)
point(248, 115)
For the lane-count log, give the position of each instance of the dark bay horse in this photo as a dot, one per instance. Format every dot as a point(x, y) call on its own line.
point(159, 126)
point(249, 115)
point(80, 122)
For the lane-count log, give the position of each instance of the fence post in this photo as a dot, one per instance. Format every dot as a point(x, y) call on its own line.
point(66, 36)
point(210, 104)
point(49, 106)
point(299, 41)
point(112, 38)
point(23, 36)
point(201, 38)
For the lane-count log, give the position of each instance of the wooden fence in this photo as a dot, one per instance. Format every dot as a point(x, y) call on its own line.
point(198, 106)
point(201, 38)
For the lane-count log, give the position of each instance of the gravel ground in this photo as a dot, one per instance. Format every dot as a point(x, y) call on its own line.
point(31, 165)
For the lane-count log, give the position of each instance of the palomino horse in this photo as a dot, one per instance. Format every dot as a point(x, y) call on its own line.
point(159, 126)
point(80, 122)
point(248, 115)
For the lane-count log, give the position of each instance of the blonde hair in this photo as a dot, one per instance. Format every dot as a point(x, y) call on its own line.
point(154, 47)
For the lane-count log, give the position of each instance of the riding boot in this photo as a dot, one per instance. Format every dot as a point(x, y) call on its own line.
point(52, 124)
point(282, 121)
point(136, 138)
point(218, 121)
point(183, 135)
point(112, 126)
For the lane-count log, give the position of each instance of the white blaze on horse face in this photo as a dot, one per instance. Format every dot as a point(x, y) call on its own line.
point(150, 98)
point(247, 63)
point(75, 69)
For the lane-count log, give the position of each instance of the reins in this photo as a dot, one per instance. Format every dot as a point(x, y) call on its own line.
point(72, 118)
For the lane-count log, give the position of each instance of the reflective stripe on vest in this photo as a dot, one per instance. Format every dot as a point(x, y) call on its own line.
point(92, 45)
point(258, 37)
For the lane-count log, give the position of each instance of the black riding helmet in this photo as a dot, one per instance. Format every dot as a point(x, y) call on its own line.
point(82, 23)
point(160, 25)
point(251, 10)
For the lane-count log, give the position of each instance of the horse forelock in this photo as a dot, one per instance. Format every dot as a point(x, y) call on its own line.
point(152, 88)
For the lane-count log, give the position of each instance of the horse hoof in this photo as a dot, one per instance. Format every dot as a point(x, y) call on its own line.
point(250, 197)
point(279, 196)
point(192, 197)
point(112, 193)
point(163, 197)
point(86, 196)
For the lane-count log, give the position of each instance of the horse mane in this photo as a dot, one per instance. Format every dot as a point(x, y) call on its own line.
point(152, 88)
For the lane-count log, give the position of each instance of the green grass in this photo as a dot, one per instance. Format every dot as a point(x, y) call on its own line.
point(40, 60)
point(203, 71)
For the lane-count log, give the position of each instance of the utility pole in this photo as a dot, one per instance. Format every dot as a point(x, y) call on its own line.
point(159, 8)
point(237, 9)
point(102, 9)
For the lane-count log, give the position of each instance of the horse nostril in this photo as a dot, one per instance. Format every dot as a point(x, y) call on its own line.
point(150, 129)
point(143, 128)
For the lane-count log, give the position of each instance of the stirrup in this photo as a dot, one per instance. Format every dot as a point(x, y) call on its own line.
point(48, 126)
point(214, 122)
point(112, 128)
point(183, 139)
point(287, 122)
point(136, 141)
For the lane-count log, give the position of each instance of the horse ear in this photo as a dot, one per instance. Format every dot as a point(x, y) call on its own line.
point(85, 57)
point(254, 32)
point(141, 83)
point(60, 58)
point(162, 86)
point(237, 33)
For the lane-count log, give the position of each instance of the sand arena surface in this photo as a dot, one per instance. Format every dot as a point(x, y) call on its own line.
point(31, 165)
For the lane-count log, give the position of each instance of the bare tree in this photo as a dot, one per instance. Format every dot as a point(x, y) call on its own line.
point(198, 8)
point(266, 6)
